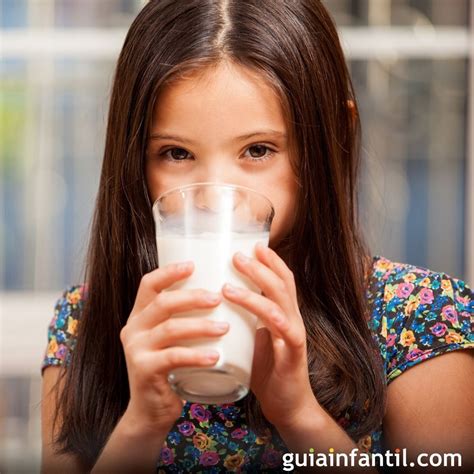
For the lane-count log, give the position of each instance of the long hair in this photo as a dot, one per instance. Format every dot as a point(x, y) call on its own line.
point(294, 46)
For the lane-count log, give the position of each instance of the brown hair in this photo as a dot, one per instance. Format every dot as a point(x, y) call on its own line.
point(294, 45)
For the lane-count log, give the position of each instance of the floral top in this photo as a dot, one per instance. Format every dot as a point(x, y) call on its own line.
point(416, 314)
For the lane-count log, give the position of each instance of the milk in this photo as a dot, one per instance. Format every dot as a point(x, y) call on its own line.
point(212, 256)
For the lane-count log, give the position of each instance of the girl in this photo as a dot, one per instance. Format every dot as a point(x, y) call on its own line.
point(216, 81)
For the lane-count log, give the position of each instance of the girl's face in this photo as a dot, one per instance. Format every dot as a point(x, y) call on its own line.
point(223, 125)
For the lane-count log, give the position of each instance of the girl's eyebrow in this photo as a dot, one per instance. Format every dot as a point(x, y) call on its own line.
point(268, 133)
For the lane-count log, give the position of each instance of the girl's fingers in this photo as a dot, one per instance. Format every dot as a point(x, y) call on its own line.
point(273, 261)
point(270, 283)
point(268, 311)
point(166, 303)
point(158, 280)
point(165, 360)
point(169, 332)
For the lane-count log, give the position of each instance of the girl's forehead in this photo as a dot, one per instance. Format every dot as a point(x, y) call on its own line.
point(222, 91)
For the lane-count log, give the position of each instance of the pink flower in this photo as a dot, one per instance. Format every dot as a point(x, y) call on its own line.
point(450, 313)
point(199, 412)
point(391, 339)
point(404, 289)
point(239, 433)
point(167, 455)
point(463, 300)
point(426, 296)
point(61, 352)
point(186, 428)
point(209, 458)
point(439, 329)
point(414, 354)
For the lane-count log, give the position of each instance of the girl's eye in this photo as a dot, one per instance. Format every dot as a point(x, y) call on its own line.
point(258, 152)
point(261, 152)
point(175, 154)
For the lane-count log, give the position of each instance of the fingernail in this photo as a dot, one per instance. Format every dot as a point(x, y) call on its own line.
point(241, 257)
point(213, 297)
point(232, 290)
point(221, 325)
point(211, 355)
point(182, 267)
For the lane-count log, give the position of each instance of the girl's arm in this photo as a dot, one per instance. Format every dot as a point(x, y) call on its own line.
point(149, 340)
point(315, 431)
point(50, 461)
point(132, 446)
point(430, 409)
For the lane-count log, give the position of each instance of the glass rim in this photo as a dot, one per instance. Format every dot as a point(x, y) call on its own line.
point(214, 183)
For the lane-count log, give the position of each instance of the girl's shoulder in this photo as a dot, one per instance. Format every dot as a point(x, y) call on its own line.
point(62, 329)
point(69, 305)
point(417, 313)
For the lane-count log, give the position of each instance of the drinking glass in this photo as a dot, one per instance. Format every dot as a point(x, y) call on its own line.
point(207, 223)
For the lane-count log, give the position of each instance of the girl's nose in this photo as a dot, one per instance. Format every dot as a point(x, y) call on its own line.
point(214, 171)
point(216, 198)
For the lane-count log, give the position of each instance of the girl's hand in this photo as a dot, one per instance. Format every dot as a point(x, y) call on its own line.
point(280, 378)
point(149, 341)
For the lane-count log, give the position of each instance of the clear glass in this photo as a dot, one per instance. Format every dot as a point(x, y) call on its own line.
point(413, 193)
point(207, 223)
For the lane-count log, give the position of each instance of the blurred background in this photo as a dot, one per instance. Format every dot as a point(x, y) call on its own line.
point(412, 67)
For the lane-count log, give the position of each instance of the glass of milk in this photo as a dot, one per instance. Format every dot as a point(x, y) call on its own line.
point(207, 223)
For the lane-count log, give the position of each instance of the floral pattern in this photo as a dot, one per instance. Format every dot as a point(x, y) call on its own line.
point(62, 330)
point(416, 314)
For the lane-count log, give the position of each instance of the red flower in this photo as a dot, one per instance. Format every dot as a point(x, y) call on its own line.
point(199, 412)
point(209, 458)
point(239, 433)
point(343, 422)
point(271, 458)
point(167, 455)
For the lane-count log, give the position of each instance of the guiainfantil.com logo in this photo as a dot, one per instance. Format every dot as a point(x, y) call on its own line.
point(398, 458)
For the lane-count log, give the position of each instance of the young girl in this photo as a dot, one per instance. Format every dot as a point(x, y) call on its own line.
point(216, 81)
